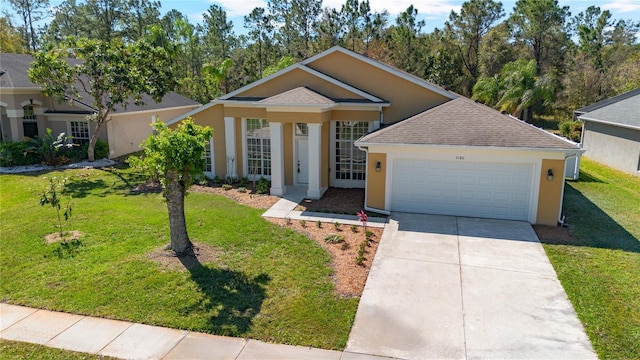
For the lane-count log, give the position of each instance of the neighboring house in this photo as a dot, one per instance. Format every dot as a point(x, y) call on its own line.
point(340, 119)
point(26, 112)
point(611, 131)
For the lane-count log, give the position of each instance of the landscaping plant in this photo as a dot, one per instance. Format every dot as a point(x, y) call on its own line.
point(52, 195)
point(176, 157)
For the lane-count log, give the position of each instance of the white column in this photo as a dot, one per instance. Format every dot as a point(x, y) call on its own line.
point(277, 159)
point(230, 146)
point(315, 149)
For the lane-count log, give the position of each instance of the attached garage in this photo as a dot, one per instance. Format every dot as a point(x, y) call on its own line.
point(475, 189)
point(462, 158)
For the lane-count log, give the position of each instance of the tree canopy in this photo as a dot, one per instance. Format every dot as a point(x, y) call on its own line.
point(589, 57)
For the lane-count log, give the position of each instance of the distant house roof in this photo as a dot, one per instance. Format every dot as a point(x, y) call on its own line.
point(622, 110)
point(462, 122)
point(15, 68)
point(608, 101)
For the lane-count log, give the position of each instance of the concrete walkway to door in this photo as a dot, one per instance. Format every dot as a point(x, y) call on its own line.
point(464, 288)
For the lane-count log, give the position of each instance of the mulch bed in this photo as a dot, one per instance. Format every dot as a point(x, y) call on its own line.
point(337, 201)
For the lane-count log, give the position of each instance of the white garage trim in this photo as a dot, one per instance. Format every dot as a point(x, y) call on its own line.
point(468, 154)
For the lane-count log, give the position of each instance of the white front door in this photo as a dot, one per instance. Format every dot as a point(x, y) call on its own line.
point(301, 168)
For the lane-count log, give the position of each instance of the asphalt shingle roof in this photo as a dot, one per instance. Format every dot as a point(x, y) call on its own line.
point(298, 96)
point(462, 122)
point(623, 110)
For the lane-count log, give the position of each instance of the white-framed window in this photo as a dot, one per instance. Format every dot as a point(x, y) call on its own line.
point(350, 162)
point(80, 132)
point(302, 129)
point(258, 147)
point(28, 113)
point(209, 167)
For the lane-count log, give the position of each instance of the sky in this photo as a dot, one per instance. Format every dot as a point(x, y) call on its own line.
point(434, 12)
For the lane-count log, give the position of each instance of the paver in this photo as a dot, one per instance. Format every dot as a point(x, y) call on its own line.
point(144, 342)
point(89, 335)
point(40, 327)
point(203, 346)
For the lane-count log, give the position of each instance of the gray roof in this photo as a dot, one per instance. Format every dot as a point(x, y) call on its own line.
point(299, 96)
point(462, 122)
point(609, 101)
point(622, 110)
point(15, 68)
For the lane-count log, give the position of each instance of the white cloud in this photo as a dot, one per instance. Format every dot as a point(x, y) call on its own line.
point(239, 8)
point(395, 7)
point(623, 6)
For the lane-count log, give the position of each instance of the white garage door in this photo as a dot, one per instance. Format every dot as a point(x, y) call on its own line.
point(490, 190)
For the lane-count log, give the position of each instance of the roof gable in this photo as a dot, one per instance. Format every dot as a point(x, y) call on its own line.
point(297, 69)
point(384, 67)
point(299, 96)
point(462, 122)
point(606, 102)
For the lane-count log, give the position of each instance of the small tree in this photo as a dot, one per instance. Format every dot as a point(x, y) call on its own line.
point(176, 157)
point(53, 194)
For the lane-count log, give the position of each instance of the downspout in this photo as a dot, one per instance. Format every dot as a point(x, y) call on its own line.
point(366, 188)
point(561, 216)
point(381, 117)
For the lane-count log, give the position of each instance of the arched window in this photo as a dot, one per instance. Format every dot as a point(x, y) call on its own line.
point(28, 113)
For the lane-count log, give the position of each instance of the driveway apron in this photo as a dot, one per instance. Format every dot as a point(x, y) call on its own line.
point(464, 288)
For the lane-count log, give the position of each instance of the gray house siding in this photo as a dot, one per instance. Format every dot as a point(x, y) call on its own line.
point(614, 146)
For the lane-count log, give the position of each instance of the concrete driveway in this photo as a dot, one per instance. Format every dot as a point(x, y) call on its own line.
point(464, 288)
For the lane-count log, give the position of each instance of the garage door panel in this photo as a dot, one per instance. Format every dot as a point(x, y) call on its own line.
point(493, 190)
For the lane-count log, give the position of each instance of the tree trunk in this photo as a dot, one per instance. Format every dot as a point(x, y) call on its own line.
point(174, 193)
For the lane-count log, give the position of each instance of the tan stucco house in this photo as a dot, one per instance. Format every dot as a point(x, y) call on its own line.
point(340, 119)
point(26, 112)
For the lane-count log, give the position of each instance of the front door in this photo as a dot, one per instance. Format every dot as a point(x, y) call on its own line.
point(302, 160)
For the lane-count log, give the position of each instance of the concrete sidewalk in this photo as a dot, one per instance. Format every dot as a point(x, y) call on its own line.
point(285, 209)
point(121, 339)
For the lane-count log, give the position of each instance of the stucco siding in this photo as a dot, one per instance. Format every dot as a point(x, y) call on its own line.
point(406, 98)
point(614, 146)
point(550, 192)
point(376, 181)
point(297, 78)
point(126, 131)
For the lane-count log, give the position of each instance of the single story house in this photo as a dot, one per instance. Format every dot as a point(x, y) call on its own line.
point(26, 112)
point(611, 131)
point(340, 119)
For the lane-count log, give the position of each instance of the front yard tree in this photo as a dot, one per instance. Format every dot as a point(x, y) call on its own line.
point(176, 157)
point(111, 74)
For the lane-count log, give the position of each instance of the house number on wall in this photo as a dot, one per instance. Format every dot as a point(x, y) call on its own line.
point(459, 157)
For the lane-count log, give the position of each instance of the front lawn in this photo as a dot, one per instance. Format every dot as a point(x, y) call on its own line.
point(600, 267)
point(266, 282)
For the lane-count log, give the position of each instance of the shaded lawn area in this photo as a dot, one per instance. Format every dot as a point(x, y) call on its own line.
point(267, 283)
point(600, 267)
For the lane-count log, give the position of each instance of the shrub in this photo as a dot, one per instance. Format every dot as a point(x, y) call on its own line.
point(303, 223)
point(242, 189)
point(361, 250)
point(368, 234)
point(354, 228)
point(333, 238)
point(49, 148)
point(336, 225)
point(244, 181)
point(263, 185)
point(227, 187)
point(16, 154)
point(572, 130)
point(319, 224)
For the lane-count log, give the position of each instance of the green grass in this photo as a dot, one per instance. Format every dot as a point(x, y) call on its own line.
point(600, 271)
point(268, 283)
point(19, 350)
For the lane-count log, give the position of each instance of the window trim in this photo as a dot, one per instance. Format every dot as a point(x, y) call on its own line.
point(345, 183)
point(245, 150)
point(70, 131)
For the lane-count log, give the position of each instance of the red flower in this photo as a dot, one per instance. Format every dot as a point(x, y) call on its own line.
point(362, 216)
